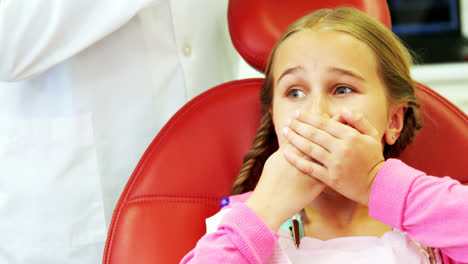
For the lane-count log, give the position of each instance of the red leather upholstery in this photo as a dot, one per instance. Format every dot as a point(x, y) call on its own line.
point(193, 161)
point(441, 147)
point(183, 174)
point(256, 25)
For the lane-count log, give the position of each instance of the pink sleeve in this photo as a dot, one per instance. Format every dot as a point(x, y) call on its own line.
point(242, 237)
point(432, 210)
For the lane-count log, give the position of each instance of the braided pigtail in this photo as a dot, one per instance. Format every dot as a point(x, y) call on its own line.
point(264, 145)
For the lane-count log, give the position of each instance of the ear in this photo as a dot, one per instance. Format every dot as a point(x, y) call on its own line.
point(395, 123)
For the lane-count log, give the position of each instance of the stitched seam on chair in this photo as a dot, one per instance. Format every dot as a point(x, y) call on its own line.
point(175, 199)
point(193, 103)
point(176, 195)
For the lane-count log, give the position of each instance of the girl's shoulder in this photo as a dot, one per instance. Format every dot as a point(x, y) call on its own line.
point(212, 222)
point(238, 198)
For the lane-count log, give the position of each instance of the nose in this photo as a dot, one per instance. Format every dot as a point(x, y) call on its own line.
point(318, 104)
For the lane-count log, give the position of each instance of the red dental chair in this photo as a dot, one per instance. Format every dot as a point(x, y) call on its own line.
point(194, 160)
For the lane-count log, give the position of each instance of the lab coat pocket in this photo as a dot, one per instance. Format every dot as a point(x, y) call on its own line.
point(50, 194)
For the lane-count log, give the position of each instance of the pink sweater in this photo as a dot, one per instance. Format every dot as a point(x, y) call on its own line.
point(433, 211)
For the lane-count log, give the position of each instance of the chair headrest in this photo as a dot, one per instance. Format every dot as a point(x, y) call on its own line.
point(255, 26)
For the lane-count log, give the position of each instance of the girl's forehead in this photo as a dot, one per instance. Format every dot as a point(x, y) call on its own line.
point(311, 49)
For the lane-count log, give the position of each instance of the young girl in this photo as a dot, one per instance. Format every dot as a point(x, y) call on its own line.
point(338, 100)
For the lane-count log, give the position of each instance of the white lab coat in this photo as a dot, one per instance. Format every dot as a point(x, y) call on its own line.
point(85, 86)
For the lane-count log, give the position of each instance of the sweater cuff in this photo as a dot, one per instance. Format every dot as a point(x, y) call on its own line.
point(390, 192)
point(254, 239)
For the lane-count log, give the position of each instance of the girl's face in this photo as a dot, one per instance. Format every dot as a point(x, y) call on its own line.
point(323, 72)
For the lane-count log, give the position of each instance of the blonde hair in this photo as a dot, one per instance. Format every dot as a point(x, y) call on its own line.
point(393, 62)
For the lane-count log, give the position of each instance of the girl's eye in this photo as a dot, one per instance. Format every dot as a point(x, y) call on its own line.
point(343, 90)
point(295, 94)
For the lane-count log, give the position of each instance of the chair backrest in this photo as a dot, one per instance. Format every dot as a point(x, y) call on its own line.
point(441, 147)
point(255, 26)
point(182, 176)
point(195, 158)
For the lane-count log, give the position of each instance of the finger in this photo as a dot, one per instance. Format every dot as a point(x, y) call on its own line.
point(306, 166)
point(306, 146)
point(329, 125)
point(337, 118)
point(358, 122)
point(311, 133)
point(290, 147)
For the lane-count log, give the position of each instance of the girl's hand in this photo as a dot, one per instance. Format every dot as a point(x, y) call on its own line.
point(282, 190)
point(349, 154)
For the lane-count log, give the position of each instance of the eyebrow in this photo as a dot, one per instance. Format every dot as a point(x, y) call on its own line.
point(342, 71)
point(290, 71)
point(348, 72)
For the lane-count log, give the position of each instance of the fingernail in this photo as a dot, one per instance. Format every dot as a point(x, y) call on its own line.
point(285, 131)
point(289, 122)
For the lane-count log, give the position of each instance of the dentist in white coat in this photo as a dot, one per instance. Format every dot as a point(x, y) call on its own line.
point(85, 86)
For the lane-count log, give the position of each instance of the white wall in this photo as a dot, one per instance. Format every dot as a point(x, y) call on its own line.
point(448, 79)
